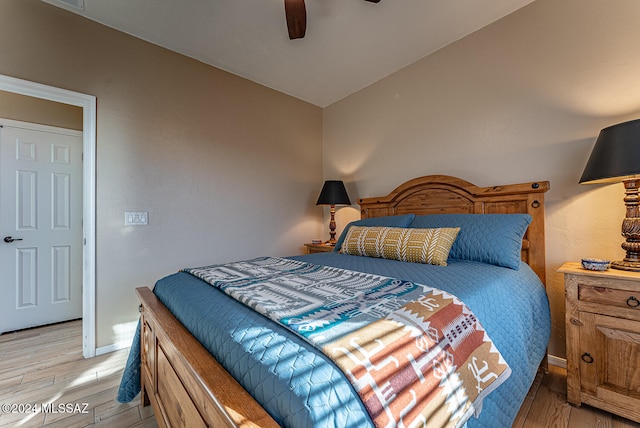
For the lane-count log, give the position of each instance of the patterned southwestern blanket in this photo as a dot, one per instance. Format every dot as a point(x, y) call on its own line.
point(413, 353)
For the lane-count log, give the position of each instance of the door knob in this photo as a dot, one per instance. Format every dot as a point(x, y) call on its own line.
point(10, 239)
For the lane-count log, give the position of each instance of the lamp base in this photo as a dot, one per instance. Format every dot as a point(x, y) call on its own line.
point(623, 265)
point(332, 227)
point(631, 227)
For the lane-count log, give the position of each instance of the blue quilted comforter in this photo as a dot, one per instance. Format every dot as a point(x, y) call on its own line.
point(300, 387)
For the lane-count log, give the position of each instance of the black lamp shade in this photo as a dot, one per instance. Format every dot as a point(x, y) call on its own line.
point(333, 193)
point(616, 154)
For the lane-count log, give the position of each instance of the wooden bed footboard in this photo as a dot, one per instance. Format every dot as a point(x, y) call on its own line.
point(186, 386)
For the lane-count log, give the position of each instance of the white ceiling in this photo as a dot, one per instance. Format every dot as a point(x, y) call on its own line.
point(349, 44)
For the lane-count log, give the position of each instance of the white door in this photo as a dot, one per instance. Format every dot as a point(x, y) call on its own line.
point(40, 225)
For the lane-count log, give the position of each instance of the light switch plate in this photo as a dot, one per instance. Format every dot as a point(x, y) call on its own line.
point(136, 218)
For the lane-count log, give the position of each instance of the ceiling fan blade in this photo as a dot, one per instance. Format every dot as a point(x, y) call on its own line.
point(296, 18)
point(374, 1)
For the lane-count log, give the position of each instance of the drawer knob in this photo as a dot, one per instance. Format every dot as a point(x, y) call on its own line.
point(632, 302)
point(587, 358)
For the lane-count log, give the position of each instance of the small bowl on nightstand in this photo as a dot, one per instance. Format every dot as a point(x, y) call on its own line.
point(596, 264)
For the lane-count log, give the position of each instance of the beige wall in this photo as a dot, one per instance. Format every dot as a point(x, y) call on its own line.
point(229, 169)
point(36, 110)
point(226, 168)
point(520, 100)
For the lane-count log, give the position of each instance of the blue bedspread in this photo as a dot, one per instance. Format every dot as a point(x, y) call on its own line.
point(308, 389)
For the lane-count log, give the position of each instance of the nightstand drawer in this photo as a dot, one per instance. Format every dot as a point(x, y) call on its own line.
point(609, 296)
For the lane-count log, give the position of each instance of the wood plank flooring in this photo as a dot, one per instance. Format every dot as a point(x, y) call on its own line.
point(546, 406)
point(45, 365)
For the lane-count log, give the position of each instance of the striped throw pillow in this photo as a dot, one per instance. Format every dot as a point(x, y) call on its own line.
point(430, 246)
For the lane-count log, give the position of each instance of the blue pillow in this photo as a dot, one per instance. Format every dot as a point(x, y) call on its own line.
point(388, 221)
point(489, 238)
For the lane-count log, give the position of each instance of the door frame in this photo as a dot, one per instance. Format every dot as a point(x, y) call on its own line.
point(88, 105)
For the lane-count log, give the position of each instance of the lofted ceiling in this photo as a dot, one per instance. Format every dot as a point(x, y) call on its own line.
point(349, 44)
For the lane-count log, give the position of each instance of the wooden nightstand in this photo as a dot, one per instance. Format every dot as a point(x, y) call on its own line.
point(319, 248)
point(602, 321)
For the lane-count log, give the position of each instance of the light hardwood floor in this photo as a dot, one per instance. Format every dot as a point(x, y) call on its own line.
point(546, 406)
point(45, 365)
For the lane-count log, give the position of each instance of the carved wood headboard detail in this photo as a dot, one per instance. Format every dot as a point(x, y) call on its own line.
point(439, 194)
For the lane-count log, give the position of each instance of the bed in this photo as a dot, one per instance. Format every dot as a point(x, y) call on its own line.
point(239, 369)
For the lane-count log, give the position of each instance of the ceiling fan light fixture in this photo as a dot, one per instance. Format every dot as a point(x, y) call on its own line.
point(296, 14)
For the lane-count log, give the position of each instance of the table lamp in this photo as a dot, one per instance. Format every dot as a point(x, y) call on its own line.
point(333, 193)
point(616, 158)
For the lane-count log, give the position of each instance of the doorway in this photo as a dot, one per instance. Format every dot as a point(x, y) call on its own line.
point(88, 105)
point(40, 224)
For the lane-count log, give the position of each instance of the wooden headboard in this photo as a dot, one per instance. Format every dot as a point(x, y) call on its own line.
point(439, 194)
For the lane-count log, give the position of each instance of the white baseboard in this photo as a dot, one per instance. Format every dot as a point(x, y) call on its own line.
point(113, 347)
point(123, 334)
point(557, 361)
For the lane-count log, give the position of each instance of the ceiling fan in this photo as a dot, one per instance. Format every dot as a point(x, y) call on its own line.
point(297, 17)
